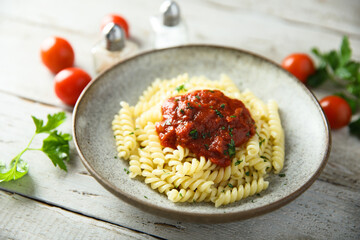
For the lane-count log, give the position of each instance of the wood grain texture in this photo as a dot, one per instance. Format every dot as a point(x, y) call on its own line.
point(40, 221)
point(79, 192)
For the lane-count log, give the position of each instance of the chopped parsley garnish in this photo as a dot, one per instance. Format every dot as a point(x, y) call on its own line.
point(146, 197)
point(127, 171)
point(237, 162)
point(282, 175)
point(233, 116)
point(218, 113)
point(222, 106)
point(230, 131)
point(199, 105)
point(188, 106)
point(180, 88)
point(211, 107)
point(137, 128)
point(205, 135)
point(223, 128)
point(248, 134)
point(265, 158)
point(193, 134)
point(230, 185)
point(180, 195)
point(197, 97)
point(212, 91)
point(114, 136)
point(231, 148)
point(262, 140)
point(247, 173)
point(131, 133)
point(206, 146)
point(115, 157)
point(182, 111)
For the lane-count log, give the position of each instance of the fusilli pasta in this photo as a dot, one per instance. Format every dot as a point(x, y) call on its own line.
point(178, 173)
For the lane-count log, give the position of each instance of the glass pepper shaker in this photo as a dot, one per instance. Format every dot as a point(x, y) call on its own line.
point(112, 48)
point(169, 28)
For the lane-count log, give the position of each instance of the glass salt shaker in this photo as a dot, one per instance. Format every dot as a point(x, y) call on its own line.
point(112, 48)
point(169, 28)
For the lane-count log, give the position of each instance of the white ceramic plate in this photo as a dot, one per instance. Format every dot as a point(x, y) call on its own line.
point(306, 131)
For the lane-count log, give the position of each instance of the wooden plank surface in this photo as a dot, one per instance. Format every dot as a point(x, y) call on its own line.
point(40, 221)
point(328, 210)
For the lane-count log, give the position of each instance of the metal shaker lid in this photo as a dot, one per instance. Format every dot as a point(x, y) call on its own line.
point(114, 37)
point(170, 12)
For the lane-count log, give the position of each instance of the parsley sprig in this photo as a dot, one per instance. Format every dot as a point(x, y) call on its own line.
point(55, 146)
point(339, 68)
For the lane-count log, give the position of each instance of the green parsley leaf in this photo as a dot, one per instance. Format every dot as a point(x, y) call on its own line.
point(53, 122)
point(180, 195)
point(318, 78)
point(188, 106)
point(231, 148)
point(354, 128)
point(230, 131)
point(338, 67)
point(223, 128)
point(262, 140)
point(345, 51)
point(197, 97)
point(131, 133)
point(222, 106)
point(56, 147)
point(237, 162)
point(353, 103)
point(193, 134)
point(146, 197)
point(265, 158)
point(218, 113)
point(282, 175)
point(127, 171)
point(181, 88)
point(17, 169)
point(182, 111)
point(230, 185)
point(233, 116)
point(247, 173)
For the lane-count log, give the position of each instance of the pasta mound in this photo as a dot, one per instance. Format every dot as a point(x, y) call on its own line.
point(177, 172)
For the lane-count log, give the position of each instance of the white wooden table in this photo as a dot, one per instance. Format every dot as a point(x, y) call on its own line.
point(51, 204)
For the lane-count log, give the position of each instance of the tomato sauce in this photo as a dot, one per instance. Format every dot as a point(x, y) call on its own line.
point(206, 122)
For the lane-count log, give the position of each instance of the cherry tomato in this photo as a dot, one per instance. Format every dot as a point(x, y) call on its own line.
point(57, 54)
point(337, 111)
point(69, 84)
point(117, 20)
point(300, 65)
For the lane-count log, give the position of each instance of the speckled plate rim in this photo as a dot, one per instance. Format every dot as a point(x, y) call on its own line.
point(202, 217)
